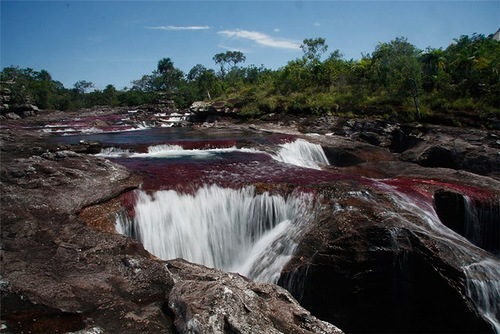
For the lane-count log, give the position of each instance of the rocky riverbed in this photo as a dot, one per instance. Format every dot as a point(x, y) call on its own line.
point(64, 268)
point(61, 275)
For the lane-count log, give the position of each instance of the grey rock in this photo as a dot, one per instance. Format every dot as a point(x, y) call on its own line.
point(211, 301)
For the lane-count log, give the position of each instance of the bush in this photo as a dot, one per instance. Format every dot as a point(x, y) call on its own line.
point(322, 104)
point(251, 110)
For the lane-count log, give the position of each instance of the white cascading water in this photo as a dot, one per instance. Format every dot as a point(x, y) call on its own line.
point(483, 286)
point(230, 229)
point(483, 275)
point(302, 153)
point(166, 151)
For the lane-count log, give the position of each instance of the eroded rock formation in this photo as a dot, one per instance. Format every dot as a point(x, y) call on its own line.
point(368, 258)
point(371, 262)
point(63, 270)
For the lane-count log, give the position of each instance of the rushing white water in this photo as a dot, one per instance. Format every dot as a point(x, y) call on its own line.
point(164, 148)
point(302, 153)
point(231, 229)
point(483, 286)
point(299, 153)
point(113, 152)
point(483, 275)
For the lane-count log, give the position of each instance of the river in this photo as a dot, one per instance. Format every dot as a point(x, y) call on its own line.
point(209, 196)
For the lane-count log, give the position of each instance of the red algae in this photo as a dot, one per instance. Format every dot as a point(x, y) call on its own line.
point(204, 144)
point(233, 169)
point(128, 201)
point(427, 187)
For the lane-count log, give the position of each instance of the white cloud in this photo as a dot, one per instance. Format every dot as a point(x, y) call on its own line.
point(317, 24)
point(261, 39)
point(178, 28)
point(276, 29)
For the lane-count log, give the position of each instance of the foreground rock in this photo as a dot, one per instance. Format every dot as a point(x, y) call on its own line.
point(211, 301)
point(60, 275)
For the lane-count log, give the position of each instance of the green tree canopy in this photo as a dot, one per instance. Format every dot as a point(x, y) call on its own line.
point(228, 60)
point(395, 68)
point(314, 48)
point(166, 77)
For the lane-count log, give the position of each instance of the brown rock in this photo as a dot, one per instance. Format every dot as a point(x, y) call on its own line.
point(369, 263)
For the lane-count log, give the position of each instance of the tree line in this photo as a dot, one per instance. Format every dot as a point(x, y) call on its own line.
point(396, 80)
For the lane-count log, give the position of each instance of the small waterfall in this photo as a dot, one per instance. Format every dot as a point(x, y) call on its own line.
point(302, 153)
point(476, 220)
point(483, 286)
point(164, 148)
point(231, 229)
point(482, 224)
point(482, 276)
point(113, 152)
point(299, 153)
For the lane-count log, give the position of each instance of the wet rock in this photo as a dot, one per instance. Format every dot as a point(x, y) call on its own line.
point(471, 150)
point(12, 115)
point(367, 264)
point(476, 219)
point(341, 158)
point(406, 137)
point(64, 269)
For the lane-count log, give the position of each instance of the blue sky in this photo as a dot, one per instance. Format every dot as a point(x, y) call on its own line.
point(115, 42)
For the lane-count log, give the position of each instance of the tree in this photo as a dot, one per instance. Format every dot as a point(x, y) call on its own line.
point(144, 84)
point(294, 77)
point(204, 81)
point(82, 86)
point(109, 96)
point(167, 77)
point(434, 65)
point(44, 90)
point(228, 60)
point(395, 68)
point(314, 48)
point(336, 71)
point(31, 87)
point(396, 72)
point(474, 65)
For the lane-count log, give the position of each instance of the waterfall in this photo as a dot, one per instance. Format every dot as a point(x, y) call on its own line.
point(481, 224)
point(168, 151)
point(475, 219)
point(299, 153)
point(163, 148)
point(302, 153)
point(483, 286)
point(482, 276)
point(113, 152)
point(230, 229)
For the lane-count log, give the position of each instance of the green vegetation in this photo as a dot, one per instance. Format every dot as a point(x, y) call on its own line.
point(397, 81)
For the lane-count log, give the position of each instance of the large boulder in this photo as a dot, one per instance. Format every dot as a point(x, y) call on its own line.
point(473, 150)
point(211, 301)
point(378, 262)
point(200, 106)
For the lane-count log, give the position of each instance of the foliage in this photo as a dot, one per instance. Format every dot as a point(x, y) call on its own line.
point(228, 60)
point(313, 48)
point(396, 81)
